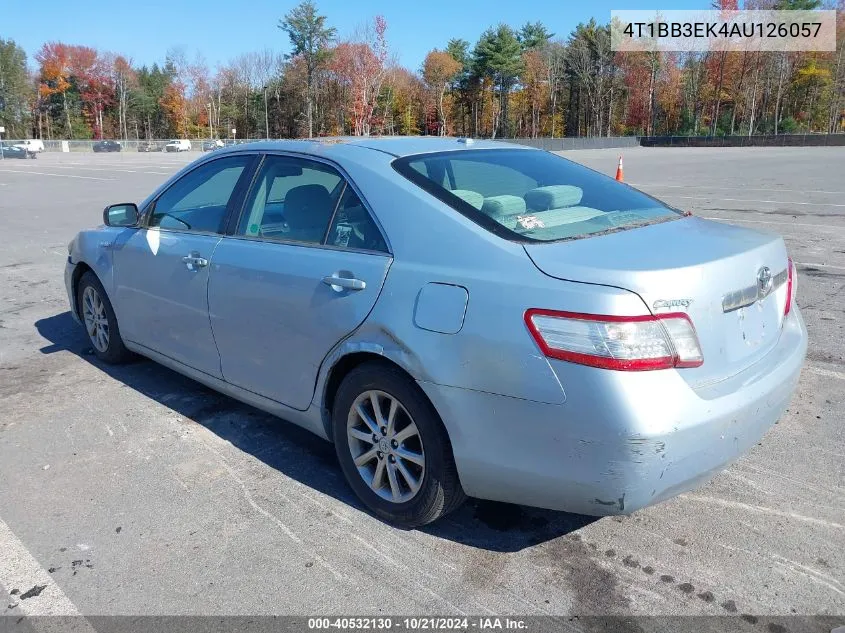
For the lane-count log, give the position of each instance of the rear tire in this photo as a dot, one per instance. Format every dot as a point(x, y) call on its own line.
point(410, 480)
point(99, 321)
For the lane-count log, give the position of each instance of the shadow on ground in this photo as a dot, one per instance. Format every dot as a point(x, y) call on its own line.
point(301, 455)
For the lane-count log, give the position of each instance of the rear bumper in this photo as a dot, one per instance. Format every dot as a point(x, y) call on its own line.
point(622, 440)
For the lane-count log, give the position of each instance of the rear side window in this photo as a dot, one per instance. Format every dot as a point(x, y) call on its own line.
point(353, 227)
point(530, 195)
point(293, 199)
point(300, 200)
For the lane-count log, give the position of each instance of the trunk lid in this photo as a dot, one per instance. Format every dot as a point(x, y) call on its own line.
point(707, 269)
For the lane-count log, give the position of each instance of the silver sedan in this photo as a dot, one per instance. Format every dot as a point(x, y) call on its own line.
point(458, 317)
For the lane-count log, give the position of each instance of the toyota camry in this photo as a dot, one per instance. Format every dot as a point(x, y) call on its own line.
point(458, 317)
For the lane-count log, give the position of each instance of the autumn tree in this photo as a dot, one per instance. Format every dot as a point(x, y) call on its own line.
point(812, 81)
point(534, 38)
point(534, 86)
point(173, 104)
point(407, 101)
point(439, 68)
point(54, 59)
point(91, 76)
point(310, 38)
point(360, 67)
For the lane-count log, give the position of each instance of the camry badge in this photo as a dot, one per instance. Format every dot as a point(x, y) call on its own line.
point(671, 303)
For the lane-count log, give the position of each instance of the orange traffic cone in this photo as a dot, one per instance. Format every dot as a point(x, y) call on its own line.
point(619, 174)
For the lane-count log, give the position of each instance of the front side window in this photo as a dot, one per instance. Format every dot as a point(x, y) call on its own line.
point(530, 195)
point(198, 201)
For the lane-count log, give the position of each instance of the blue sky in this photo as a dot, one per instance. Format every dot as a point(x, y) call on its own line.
point(220, 31)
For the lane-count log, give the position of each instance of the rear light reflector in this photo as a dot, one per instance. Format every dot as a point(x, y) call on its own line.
point(627, 343)
point(791, 285)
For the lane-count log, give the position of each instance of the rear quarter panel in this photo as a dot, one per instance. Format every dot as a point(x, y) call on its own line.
point(493, 350)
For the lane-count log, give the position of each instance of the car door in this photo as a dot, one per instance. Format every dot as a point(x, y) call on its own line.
point(302, 269)
point(161, 270)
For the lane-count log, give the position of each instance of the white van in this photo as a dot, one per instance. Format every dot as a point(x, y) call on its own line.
point(177, 145)
point(31, 145)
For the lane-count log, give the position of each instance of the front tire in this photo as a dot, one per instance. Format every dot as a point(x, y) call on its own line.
point(99, 320)
point(393, 448)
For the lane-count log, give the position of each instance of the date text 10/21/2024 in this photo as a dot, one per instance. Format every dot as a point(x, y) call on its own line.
point(417, 623)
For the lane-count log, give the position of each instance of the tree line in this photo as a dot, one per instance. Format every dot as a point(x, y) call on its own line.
point(512, 82)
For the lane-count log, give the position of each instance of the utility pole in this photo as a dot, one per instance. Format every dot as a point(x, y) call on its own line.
point(266, 119)
point(210, 129)
point(2, 129)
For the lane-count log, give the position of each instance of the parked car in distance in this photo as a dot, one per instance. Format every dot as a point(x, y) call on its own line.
point(32, 145)
point(106, 146)
point(177, 145)
point(16, 151)
point(148, 146)
point(458, 317)
point(211, 145)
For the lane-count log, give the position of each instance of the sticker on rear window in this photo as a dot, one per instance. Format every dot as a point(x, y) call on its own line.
point(530, 222)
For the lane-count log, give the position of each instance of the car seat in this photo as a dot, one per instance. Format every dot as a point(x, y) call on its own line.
point(308, 209)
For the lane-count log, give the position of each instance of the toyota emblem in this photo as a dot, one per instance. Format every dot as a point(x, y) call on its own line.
point(764, 281)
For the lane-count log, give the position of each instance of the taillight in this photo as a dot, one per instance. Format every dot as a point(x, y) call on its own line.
point(791, 285)
point(628, 343)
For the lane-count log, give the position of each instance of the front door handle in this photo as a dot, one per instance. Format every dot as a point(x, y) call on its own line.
point(339, 284)
point(194, 261)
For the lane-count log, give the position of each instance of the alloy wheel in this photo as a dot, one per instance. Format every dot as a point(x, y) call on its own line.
point(386, 446)
point(96, 319)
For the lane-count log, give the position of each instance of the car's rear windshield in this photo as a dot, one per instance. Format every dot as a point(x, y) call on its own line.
point(531, 195)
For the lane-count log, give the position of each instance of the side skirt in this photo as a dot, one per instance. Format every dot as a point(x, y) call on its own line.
point(310, 419)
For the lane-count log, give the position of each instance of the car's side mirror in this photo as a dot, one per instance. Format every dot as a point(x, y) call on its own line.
point(125, 214)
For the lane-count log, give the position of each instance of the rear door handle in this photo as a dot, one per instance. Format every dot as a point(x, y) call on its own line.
point(194, 261)
point(340, 284)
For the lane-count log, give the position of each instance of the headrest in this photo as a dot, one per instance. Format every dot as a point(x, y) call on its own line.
point(502, 206)
point(553, 197)
point(470, 197)
point(308, 206)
